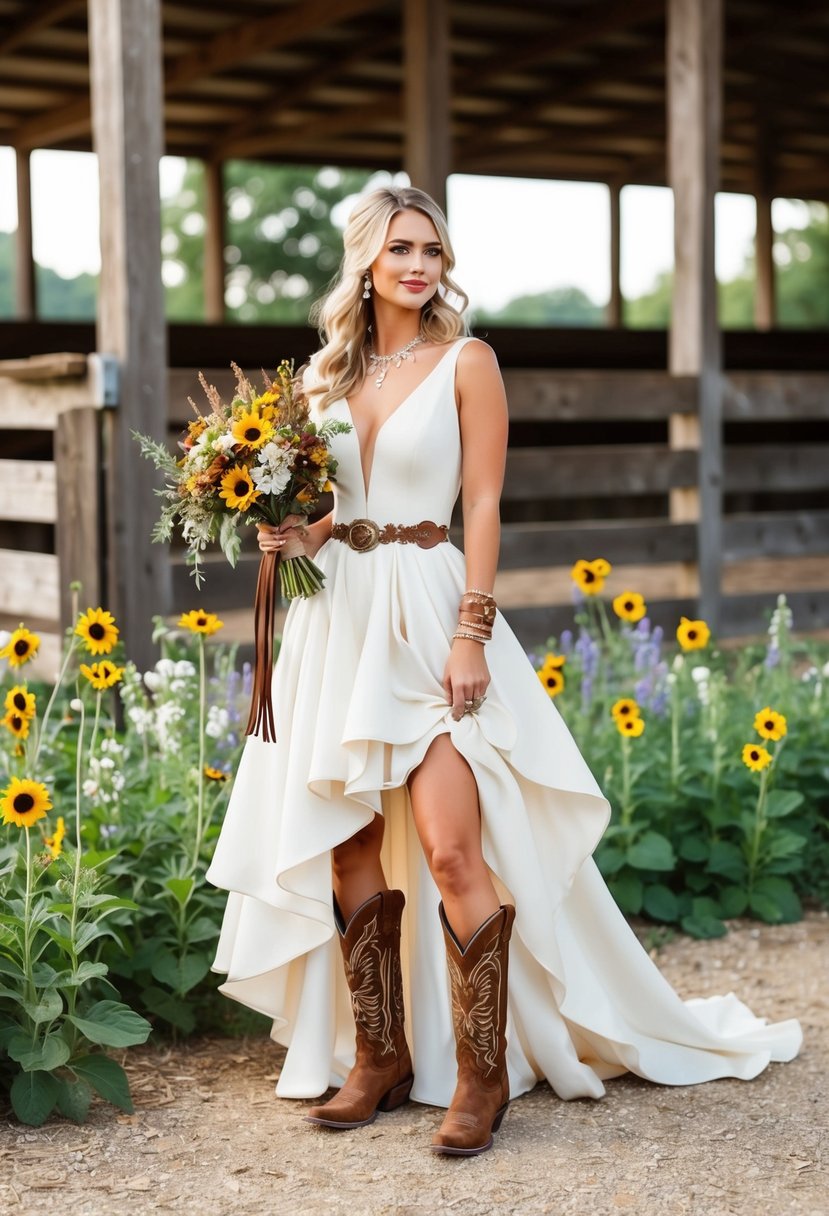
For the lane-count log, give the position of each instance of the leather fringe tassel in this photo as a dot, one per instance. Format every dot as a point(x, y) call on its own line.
point(260, 719)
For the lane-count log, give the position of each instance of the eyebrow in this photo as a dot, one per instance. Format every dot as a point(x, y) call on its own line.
point(401, 240)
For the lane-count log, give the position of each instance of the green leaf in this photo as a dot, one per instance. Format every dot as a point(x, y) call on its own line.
point(47, 1054)
point(74, 1098)
point(783, 894)
point(703, 926)
point(93, 858)
point(765, 907)
point(726, 859)
point(783, 844)
point(8, 966)
point(652, 851)
point(49, 1007)
point(693, 848)
point(179, 975)
point(229, 539)
point(33, 1096)
point(43, 975)
point(704, 906)
point(90, 932)
point(610, 859)
point(783, 802)
point(178, 1013)
point(107, 1078)
point(202, 929)
point(627, 890)
point(733, 901)
point(660, 902)
point(181, 888)
point(112, 1024)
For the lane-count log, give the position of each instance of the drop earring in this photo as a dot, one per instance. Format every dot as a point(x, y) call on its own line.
point(367, 287)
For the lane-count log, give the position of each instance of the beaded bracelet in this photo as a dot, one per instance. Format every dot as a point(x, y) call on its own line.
point(471, 636)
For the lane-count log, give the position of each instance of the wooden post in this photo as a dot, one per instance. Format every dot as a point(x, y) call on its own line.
point(614, 306)
point(25, 282)
point(79, 522)
point(694, 75)
point(428, 90)
point(764, 290)
point(214, 242)
point(127, 93)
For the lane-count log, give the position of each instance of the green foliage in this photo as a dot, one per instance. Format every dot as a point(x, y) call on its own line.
point(561, 306)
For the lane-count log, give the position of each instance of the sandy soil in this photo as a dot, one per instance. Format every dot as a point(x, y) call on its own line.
point(208, 1136)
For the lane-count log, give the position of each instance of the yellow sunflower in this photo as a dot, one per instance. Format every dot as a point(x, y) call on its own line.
point(238, 490)
point(553, 660)
point(552, 680)
point(252, 430)
point(24, 802)
point(21, 701)
point(102, 675)
point(21, 646)
point(630, 606)
point(199, 621)
point(624, 708)
point(327, 487)
point(630, 726)
point(770, 725)
point(17, 724)
point(756, 757)
point(98, 629)
point(214, 774)
point(692, 635)
point(55, 843)
point(589, 576)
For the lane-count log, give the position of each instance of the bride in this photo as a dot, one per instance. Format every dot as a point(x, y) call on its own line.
point(420, 764)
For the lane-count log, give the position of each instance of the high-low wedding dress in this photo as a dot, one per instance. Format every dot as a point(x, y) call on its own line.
point(358, 698)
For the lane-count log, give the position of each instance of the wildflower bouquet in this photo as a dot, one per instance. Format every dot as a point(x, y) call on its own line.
point(259, 459)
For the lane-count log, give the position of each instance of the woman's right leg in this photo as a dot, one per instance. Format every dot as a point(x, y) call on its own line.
point(356, 870)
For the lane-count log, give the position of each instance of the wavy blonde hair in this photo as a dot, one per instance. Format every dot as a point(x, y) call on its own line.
point(343, 316)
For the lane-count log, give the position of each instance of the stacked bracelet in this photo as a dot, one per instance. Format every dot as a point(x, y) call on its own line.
point(476, 616)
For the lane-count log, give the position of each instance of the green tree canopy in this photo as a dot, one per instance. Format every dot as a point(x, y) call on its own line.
point(561, 306)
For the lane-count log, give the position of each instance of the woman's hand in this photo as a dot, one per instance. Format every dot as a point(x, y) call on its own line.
point(466, 676)
point(287, 539)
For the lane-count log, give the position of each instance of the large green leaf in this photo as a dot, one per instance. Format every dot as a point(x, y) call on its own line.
point(652, 851)
point(726, 859)
point(733, 901)
point(660, 902)
point(784, 895)
point(74, 1098)
point(181, 888)
point(783, 802)
point(703, 926)
point(46, 1054)
point(112, 1024)
point(693, 848)
point(202, 929)
point(179, 975)
point(33, 1096)
point(107, 1078)
point(9, 966)
point(627, 890)
point(173, 1009)
point(610, 859)
point(49, 1007)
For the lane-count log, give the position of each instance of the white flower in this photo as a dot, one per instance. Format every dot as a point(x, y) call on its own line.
point(270, 481)
point(142, 719)
point(76, 704)
point(185, 668)
point(218, 720)
point(700, 674)
point(90, 788)
point(679, 662)
point(225, 443)
point(825, 669)
point(106, 762)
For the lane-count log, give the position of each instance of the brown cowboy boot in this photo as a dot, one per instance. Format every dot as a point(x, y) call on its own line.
point(382, 1074)
point(478, 975)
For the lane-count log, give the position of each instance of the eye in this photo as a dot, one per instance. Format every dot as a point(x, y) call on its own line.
point(398, 249)
point(434, 252)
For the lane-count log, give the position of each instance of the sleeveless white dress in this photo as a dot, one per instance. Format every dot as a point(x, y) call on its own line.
point(358, 698)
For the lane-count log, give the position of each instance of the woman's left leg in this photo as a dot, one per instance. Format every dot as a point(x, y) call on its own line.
point(476, 931)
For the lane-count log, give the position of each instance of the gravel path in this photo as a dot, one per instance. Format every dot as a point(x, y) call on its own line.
point(209, 1137)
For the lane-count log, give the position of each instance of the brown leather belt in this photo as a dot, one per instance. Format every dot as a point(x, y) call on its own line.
point(362, 535)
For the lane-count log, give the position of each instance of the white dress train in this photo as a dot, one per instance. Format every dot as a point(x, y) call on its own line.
point(358, 698)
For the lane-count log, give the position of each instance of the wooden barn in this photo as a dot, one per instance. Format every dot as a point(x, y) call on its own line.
point(696, 461)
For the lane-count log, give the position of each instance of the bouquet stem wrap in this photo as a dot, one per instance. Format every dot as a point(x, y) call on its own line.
point(264, 611)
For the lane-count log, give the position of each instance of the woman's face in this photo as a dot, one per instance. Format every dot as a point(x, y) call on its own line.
point(408, 269)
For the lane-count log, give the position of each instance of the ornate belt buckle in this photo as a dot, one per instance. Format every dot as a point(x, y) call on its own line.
point(429, 534)
point(363, 535)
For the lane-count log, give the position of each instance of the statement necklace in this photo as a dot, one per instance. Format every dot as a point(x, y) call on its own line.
point(385, 361)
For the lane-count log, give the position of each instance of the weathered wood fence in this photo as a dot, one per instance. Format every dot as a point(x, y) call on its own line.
point(593, 469)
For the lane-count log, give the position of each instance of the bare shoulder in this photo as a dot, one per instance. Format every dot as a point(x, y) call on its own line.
point(477, 365)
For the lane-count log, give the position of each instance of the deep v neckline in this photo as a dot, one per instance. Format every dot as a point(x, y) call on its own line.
point(387, 419)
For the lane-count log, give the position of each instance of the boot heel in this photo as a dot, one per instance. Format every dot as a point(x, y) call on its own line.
point(396, 1096)
point(497, 1121)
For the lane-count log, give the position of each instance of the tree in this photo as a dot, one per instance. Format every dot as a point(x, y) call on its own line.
point(282, 248)
point(560, 306)
point(63, 299)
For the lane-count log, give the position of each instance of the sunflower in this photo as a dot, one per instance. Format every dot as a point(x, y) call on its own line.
point(98, 629)
point(624, 709)
point(632, 727)
point(770, 725)
point(552, 681)
point(102, 675)
point(756, 757)
point(21, 646)
point(692, 635)
point(630, 606)
point(265, 403)
point(214, 774)
point(17, 723)
point(21, 701)
point(327, 487)
point(24, 802)
point(589, 576)
point(55, 843)
point(252, 430)
point(238, 490)
point(199, 621)
point(556, 661)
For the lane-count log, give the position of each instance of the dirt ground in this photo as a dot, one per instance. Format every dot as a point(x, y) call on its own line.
point(208, 1136)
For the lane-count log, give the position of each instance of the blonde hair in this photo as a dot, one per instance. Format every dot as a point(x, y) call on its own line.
point(343, 315)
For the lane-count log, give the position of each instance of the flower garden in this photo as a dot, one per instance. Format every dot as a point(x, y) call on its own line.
point(113, 785)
